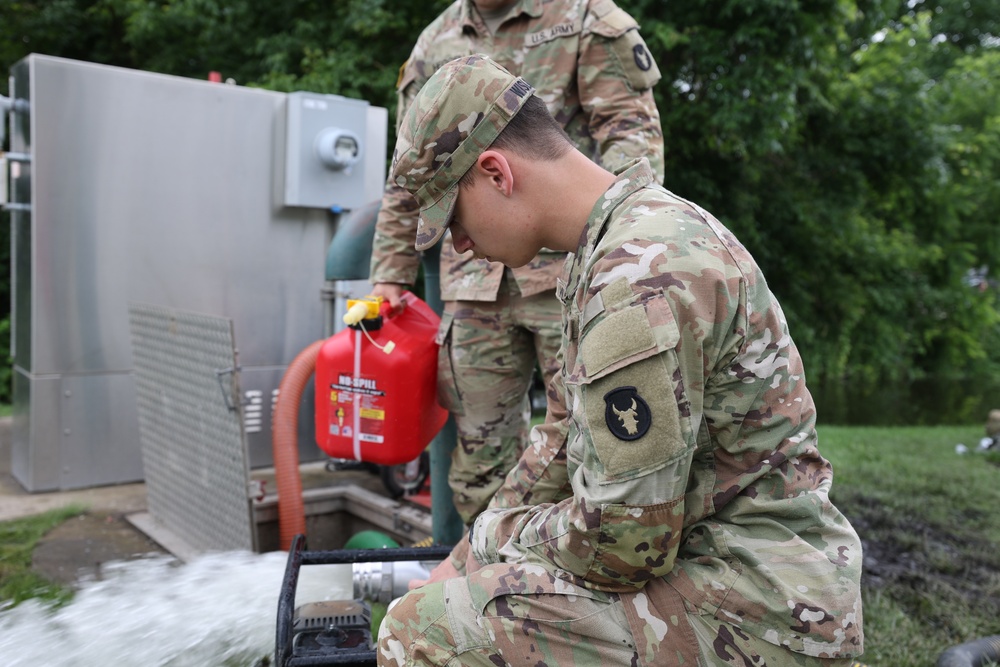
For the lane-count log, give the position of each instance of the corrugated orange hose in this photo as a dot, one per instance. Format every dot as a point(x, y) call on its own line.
point(284, 442)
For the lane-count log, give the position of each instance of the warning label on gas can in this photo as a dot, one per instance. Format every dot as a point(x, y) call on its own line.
point(357, 396)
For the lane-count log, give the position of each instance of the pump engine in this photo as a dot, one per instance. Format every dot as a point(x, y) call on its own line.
point(339, 632)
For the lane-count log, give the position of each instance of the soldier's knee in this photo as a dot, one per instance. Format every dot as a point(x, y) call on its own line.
point(399, 630)
point(415, 630)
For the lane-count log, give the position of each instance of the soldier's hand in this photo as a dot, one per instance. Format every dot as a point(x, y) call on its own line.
point(393, 293)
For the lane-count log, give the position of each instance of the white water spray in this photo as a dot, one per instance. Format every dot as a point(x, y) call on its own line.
point(216, 611)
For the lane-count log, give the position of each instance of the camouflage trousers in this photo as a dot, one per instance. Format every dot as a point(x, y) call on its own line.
point(485, 367)
point(478, 620)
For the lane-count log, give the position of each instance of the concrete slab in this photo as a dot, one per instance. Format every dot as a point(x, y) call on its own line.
point(77, 550)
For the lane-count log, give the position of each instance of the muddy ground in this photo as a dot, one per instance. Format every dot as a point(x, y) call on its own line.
point(921, 562)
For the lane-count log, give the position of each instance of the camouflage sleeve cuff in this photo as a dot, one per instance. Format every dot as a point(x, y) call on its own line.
point(383, 274)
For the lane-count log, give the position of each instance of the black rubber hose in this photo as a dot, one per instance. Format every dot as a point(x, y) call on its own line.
point(971, 654)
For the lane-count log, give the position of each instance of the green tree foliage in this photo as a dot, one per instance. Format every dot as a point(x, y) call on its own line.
point(902, 239)
point(853, 145)
point(819, 133)
point(78, 29)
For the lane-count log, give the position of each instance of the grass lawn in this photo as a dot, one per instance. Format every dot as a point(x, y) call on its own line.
point(929, 519)
point(17, 541)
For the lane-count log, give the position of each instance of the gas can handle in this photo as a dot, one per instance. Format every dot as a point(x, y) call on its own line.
point(385, 309)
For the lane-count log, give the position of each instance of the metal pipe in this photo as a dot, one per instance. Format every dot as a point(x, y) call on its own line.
point(385, 581)
point(350, 250)
point(446, 523)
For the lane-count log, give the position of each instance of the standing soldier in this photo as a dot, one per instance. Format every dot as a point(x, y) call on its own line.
point(689, 522)
point(594, 73)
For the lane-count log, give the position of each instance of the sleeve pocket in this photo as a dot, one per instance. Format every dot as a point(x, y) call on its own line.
point(447, 391)
point(632, 393)
point(622, 338)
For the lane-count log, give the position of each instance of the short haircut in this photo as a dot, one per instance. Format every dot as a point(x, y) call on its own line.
point(532, 133)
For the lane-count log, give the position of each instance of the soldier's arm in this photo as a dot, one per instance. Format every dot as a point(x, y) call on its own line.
point(622, 526)
point(616, 74)
point(540, 475)
point(394, 259)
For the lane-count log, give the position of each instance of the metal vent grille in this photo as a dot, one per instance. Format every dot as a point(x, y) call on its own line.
point(193, 446)
point(331, 613)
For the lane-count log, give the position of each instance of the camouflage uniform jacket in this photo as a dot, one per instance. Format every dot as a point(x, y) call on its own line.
point(585, 59)
point(688, 458)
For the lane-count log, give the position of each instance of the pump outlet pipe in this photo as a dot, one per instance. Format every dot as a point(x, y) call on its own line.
point(445, 520)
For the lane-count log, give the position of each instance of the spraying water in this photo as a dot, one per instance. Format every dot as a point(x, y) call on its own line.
point(216, 611)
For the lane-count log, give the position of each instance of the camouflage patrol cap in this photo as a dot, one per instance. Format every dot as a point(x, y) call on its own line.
point(455, 117)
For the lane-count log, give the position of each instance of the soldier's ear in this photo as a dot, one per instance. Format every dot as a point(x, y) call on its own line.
point(495, 167)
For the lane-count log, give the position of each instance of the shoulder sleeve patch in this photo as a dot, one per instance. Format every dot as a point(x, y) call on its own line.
point(627, 422)
point(407, 75)
point(636, 61)
point(634, 419)
point(625, 44)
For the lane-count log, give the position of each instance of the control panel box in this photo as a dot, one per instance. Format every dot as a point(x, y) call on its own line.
point(325, 151)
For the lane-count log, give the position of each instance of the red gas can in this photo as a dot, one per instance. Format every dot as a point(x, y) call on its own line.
point(376, 386)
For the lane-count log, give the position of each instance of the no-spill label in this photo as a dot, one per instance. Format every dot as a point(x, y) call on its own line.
point(357, 403)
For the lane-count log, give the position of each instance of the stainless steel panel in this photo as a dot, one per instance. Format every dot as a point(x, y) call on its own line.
point(68, 431)
point(97, 417)
point(157, 189)
point(154, 189)
point(35, 456)
point(193, 450)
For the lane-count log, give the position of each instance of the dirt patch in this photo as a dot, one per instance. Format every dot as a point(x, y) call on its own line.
point(916, 561)
point(76, 550)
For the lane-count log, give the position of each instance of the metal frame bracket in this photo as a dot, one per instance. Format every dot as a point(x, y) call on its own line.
point(231, 404)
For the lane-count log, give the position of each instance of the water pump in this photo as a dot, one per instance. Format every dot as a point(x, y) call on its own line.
point(338, 632)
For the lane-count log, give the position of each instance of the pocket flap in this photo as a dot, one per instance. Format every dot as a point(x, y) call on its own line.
point(622, 336)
